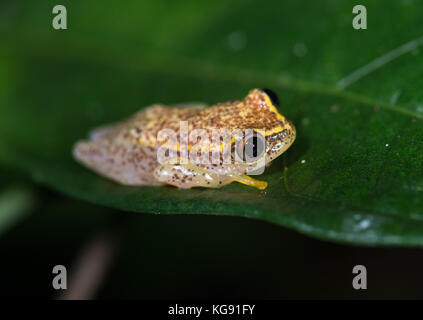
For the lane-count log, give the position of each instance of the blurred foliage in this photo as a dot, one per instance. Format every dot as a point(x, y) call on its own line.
point(354, 173)
point(18, 198)
point(14, 204)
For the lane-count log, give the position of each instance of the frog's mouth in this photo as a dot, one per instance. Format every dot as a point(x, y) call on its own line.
point(280, 142)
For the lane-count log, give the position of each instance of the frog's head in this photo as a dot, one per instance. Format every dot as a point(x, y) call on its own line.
point(272, 133)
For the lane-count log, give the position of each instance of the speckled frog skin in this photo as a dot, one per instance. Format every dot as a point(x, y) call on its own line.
point(126, 152)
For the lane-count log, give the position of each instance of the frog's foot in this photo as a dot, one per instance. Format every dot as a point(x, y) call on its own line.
point(247, 180)
point(190, 175)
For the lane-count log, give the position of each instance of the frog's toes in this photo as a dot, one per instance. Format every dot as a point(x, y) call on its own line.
point(247, 180)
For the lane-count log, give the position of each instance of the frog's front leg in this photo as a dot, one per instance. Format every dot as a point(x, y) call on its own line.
point(191, 175)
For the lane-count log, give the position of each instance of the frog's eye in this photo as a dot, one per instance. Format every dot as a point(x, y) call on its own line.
point(252, 148)
point(272, 97)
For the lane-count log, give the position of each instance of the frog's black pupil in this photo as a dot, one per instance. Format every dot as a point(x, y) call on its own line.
point(273, 97)
point(251, 148)
point(255, 146)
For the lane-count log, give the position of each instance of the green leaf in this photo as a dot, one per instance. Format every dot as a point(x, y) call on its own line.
point(15, 204)
point(354, 173)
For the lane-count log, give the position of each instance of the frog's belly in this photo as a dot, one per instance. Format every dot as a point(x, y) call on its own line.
point(125, 163)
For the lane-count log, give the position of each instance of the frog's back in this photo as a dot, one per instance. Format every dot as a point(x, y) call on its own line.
point(144, 126)
point(126, 151)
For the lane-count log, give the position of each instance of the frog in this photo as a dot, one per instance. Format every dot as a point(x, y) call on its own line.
point(127, 151)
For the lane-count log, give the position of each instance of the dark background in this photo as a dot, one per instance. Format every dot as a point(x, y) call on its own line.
point(192, 256)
